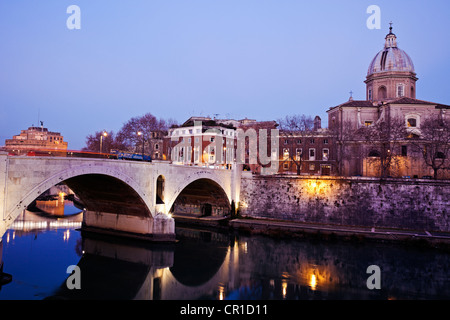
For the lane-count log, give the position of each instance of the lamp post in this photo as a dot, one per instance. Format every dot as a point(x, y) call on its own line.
point(104, 134)
point(140, 133)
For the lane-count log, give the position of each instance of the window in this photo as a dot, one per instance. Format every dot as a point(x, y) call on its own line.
point(299, 141)
point(368, 123)
point(190, 131)
point(325, 141)
point(404, 151)
point(369, 94)
point(286, 141)
point(196, 153)
point(412, 122)
point(156, 146)
point(374, 153)
point(325, 154)
point(382, 94)
point(298, 154)
point(285, 154)
point(400, 90)
point(312, 154)
point(311, 141)
point(212, 139)
point(286, 165)
point(312, 167)
point(440, 155)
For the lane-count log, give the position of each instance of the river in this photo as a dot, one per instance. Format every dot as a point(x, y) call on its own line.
point(213, 265)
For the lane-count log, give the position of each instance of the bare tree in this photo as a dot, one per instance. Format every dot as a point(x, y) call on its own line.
point(384, 139)
point(433, 143)
point(292, 128)
point(345, 146)
point(138, 132)
point(99, 142)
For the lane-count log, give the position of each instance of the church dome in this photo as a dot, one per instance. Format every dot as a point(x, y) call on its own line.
point(391, 58)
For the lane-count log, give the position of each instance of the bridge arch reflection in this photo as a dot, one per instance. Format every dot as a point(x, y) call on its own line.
point(137, 270)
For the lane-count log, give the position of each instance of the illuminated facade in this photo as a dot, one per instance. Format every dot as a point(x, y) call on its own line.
point(35, 139)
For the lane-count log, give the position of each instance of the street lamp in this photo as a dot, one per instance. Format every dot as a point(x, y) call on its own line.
point(140, 133)
point(104, 134)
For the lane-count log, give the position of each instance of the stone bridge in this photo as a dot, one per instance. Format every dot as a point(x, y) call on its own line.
point(121, 197)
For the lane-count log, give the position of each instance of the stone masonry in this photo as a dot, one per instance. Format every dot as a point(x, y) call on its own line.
point(411, 204)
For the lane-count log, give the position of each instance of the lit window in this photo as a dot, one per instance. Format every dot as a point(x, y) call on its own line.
point(368, 123)
point(325, 153)
point(285, 154)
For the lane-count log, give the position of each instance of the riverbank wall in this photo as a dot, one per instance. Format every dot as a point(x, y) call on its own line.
point(399, 204)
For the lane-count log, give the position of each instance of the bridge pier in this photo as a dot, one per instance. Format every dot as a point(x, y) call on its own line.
point(160, 228)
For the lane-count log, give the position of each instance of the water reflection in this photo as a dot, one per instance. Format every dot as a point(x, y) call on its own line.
point(210, 265)
point(205, 265)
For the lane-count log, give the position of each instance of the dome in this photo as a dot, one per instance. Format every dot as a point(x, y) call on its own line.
point(391, 58)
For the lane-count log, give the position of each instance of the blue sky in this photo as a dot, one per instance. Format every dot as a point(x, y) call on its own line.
point(261, 59)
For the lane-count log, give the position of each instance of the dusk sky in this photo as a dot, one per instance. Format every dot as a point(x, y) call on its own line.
point(260, 59)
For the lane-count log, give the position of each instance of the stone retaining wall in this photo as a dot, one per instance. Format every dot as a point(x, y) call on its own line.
point(412, 204)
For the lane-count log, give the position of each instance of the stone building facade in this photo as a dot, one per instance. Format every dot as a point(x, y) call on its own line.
point(35, 139)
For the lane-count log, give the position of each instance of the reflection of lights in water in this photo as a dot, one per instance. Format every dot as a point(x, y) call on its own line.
point(244, 247)
point(221, 292)
point(284, 288)
point(313, 282)
point(66, 235)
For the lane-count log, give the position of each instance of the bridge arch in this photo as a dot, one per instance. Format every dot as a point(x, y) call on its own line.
point(202, 189)
point(79, 177)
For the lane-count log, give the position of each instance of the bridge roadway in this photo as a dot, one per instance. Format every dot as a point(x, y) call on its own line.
point(126, 198)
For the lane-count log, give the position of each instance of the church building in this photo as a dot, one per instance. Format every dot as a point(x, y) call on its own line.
point(390, 98)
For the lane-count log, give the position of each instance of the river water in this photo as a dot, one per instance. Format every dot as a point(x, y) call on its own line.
point(212, 265)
